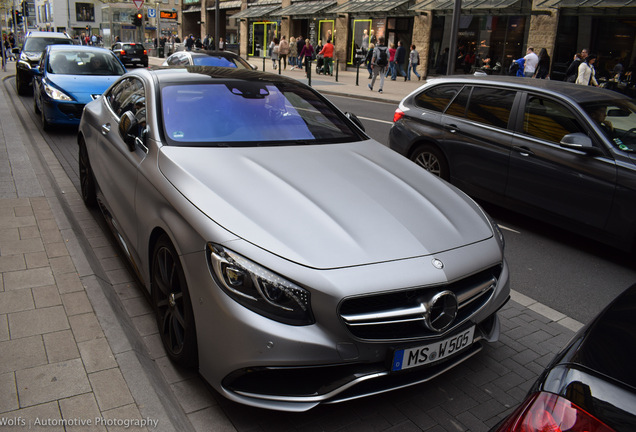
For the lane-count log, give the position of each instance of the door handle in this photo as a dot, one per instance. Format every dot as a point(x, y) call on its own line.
point(105, 128)
point(524, 151)
point(451, 128)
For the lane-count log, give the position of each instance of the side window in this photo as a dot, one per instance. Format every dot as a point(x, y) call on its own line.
point(458, 107)
point(491, 106)
point(438, 97)
point(128, 95)
point(549, 120)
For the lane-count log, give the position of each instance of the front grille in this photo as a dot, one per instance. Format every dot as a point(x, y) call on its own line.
point(72, 110)
point(398, 315)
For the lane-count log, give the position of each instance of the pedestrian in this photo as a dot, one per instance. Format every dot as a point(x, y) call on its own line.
point(274, 48)
point(573, 69)
point(400, 56)
point(380, 62)
point(543, 67)
point(372, 38)
point(283, 51)
point(206, 42)
point(300, 44)
point(530, 65)
point(469, 61)
point(293, 53)
point(368, 58)
point(306, 54)
point(327, 52)
point(414, 60)
point(221, 44)
point(391, 69)
point(189, 43)
point(586, 73)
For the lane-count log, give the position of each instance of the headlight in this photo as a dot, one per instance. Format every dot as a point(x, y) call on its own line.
point(259, 289)
point(55, 93)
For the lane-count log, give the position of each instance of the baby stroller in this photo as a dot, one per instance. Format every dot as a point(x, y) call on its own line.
point(320, 61)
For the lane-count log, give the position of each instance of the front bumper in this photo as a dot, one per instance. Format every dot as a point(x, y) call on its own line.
point(259, 362)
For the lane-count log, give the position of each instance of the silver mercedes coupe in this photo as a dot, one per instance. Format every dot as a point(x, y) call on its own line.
point(289, 258)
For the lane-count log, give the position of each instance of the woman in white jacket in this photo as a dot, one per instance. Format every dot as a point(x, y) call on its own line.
point(586, 72)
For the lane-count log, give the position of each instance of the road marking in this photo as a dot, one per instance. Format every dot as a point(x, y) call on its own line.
point(375, 120)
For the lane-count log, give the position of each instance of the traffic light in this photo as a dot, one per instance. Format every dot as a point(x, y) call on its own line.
point(18, 17)
point(137, 19)
point(25, 8)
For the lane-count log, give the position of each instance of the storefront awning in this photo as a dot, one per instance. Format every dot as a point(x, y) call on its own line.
point(370, 6)
point(227, 4)
point(466, 4)
point(192, 9)
point(256, 11)
point(304, 8)
point(587, 3)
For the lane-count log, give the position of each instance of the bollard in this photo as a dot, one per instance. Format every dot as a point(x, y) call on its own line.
point(337, 63)
point(263, 64)
point(279, 67)
point(358, 73)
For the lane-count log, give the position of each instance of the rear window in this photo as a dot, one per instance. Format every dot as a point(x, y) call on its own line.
point(37, 44)
point(438, 97)
point(247, 113)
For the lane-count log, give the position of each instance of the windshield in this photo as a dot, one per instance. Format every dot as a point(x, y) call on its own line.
point(37, 44)
point(84, 63)
point(247, 113)
point(218, 61)
point(617, 120)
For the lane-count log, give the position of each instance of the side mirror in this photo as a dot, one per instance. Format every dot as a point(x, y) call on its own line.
point(128, 126)
point(580, 141)
point(36, 71)
point(356, 120)
point(15, 50)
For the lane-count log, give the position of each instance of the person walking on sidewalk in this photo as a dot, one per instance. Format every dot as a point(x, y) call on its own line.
point(293, 53)
point(414, 60)
point(274, 49)
point(400, 56)
point(380, 62)
point(368, 59)
point(283, 50)
point(327, 52)
point(392, 70)
point(306, 55)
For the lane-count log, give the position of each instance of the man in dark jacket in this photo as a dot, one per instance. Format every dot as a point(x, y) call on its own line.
point(400, 56)
point(300, 44)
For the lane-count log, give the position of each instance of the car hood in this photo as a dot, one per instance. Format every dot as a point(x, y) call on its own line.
point(326, 206)
point(82, 87)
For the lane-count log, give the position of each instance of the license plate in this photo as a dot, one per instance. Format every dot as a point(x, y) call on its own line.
point(419, 356)
point(136, 59)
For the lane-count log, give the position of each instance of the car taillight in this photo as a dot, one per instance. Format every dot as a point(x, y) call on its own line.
point(398, 115)
point(547, 412)
point(122, 52)
point(145, 52)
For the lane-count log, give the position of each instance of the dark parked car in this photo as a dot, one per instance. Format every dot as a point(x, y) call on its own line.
point(591, 384)
point(30, 55)
point(131, 53)
point(207, 58)
point(290, 257)
point(560, 152)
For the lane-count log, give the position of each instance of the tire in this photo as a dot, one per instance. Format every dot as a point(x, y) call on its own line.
point(21, 87)
point(87, 178)
point(172, 305)
point(432, 160)
point(35, 106)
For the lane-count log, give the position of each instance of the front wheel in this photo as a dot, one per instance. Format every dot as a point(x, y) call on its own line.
point(172, 305)
point(432, 160)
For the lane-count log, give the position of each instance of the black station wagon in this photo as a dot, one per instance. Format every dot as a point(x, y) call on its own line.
point(560, 152)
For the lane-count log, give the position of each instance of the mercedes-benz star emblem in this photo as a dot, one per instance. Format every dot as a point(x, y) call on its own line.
point(441, 311)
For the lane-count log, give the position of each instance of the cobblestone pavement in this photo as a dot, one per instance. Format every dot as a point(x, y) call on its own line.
point(79, 348)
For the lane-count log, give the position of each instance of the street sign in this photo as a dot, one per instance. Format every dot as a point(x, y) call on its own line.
point(152, 12)
point(138, 3)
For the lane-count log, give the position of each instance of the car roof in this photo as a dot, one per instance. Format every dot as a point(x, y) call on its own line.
point(202, 74)
point(77, 48)
point(578, 93)
point(47, 34)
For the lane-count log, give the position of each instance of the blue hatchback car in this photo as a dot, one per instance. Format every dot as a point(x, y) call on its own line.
point(70, 76)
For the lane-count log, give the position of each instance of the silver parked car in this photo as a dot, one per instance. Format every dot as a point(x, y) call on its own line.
point(288, 256)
